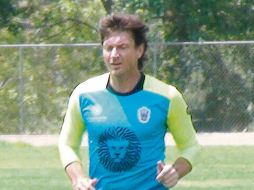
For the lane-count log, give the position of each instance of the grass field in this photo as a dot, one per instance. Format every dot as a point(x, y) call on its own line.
point(24, 167)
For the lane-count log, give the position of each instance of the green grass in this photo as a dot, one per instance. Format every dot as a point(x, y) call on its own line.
point(23, 167)
point(222, 168)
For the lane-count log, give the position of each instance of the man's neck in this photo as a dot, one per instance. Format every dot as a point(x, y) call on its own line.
point(124, 84)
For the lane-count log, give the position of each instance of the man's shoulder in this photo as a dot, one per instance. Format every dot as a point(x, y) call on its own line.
point(100, 80)
point(157, 86)
point(93, 84)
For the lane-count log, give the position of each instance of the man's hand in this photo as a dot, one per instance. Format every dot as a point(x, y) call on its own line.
point(167, 175)
point(79, 182)
point(84, 184)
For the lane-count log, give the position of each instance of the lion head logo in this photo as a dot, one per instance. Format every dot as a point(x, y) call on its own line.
point(119, 149)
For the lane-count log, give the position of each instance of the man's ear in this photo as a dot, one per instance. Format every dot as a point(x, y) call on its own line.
point(140, 50)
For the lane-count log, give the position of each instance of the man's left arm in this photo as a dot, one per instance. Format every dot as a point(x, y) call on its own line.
point(184, 134)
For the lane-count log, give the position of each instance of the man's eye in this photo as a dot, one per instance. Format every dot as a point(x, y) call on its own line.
point(108, 48)
point(122, 47)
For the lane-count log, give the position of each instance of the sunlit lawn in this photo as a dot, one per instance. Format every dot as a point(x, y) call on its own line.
point(23, 167)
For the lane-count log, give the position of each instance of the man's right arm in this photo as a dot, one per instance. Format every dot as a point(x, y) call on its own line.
point(69, 142)
point(71, 133)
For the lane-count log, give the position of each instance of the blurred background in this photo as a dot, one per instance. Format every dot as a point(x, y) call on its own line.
point(204, 48)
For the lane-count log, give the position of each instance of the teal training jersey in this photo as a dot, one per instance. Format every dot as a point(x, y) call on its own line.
point(126, 132)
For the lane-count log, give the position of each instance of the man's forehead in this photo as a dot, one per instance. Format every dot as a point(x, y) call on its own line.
point(118, 38)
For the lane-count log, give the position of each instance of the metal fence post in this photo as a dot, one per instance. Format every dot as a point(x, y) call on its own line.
point(155, 52)
point(21, 90)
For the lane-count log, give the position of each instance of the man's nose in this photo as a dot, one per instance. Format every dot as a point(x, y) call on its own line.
point(114, 52)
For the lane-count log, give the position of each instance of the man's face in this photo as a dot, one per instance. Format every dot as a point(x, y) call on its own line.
point(120, 53)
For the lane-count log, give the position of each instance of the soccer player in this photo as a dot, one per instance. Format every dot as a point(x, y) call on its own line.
point(126, 115)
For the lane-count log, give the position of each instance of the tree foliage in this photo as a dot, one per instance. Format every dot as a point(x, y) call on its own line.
point(205, 21)
point(49, 75)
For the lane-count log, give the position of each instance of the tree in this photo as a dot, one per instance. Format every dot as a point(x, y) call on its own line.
point(6, 12)
point(198, 20)
point(47, 73)
point(195, 70)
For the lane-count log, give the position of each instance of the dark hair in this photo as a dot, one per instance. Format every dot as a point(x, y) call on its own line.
point(123, 22)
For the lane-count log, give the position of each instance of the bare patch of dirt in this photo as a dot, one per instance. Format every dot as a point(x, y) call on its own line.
point(205, 139)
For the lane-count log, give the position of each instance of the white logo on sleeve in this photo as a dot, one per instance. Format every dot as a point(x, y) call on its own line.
point(144, 114)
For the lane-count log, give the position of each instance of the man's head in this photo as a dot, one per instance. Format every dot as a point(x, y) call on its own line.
point(126, 23)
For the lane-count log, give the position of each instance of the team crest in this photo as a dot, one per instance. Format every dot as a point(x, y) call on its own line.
point(144, 114)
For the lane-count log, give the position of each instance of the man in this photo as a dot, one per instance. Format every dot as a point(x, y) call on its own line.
point(126, 115)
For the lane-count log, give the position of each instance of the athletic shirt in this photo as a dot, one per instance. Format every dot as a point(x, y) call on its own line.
point(126, 131)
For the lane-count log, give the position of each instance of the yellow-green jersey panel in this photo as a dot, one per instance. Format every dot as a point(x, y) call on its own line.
point(126, 132)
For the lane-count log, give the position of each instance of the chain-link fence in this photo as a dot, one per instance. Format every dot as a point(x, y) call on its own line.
point(216, 78)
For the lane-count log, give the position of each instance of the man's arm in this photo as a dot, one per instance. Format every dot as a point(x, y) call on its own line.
point(69, 142)
point(183, 132)
point(78, 180)
point(182, 167)
point(182, 129)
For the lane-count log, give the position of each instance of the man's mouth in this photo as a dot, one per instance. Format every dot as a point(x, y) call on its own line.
point(115, 64)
